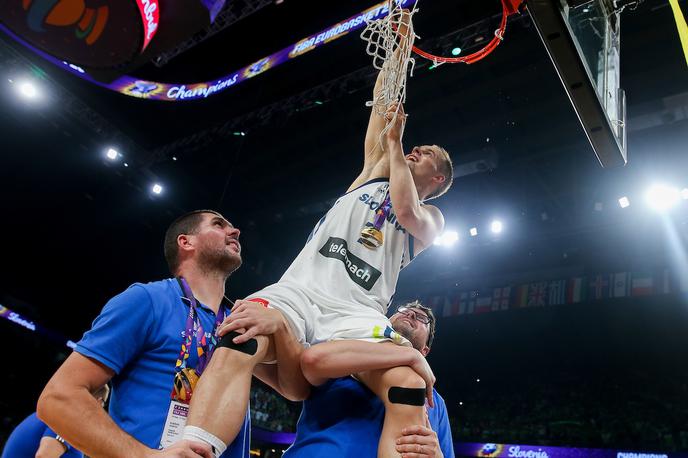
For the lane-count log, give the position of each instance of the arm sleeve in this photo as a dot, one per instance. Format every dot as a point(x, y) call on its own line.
point(119, 333)
point(439, 420)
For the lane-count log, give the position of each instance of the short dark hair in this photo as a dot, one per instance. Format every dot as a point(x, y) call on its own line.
point(428, 311)
point(446, 168)
point(186, 224)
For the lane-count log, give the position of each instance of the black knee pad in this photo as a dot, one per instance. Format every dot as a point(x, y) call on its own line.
point(408, 396)
point(250, 347)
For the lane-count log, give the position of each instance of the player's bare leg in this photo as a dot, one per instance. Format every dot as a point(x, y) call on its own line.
point(220, 400)
point(403, 392)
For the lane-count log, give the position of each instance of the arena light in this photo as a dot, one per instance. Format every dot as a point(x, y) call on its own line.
point(496, 227)
point(473, 231)
point(112, 154)
point(448, 238)
point(157, 189)
point(662, 197)
point(26, 89)
point(456, 51)
point(624, 202)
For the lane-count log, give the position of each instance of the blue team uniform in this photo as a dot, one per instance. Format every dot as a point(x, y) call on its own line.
point(26, 438)
point(343, 418)
point(139, 335)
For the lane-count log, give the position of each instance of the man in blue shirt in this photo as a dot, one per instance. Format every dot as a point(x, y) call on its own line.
point(343, 418)
point(152, 341)
point(32, 438)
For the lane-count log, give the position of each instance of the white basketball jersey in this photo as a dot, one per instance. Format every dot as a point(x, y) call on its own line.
point(338, 270)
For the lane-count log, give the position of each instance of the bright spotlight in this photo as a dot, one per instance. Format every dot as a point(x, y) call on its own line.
point(448, 238)
point(473, 231)
point(456, 51)
point(624, 202)
point(112, 154)
point(27, 90)
point(684, 193)
point(496, 226)
point(157, 189)
point(662, 197)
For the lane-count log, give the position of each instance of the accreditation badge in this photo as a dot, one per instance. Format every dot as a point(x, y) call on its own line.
point(174, 424)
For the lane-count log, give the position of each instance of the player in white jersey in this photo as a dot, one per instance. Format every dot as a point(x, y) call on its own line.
point(336, 294)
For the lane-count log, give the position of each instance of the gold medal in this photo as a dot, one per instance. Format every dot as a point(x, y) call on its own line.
point(371, 238)
point(184, 384)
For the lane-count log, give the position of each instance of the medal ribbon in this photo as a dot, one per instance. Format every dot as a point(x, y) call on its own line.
point(204, 347)
point(382, 212)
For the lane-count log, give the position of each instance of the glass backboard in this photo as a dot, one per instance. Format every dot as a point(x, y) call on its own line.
point(583, 40)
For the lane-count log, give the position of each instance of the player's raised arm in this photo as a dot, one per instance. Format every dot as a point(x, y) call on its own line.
point(376, 161)
point(424, 222)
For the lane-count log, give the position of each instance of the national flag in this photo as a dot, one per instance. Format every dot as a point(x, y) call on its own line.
point(599, 287)
point(575, 290)
point(663, 283)
point(463, 303)
point(556, 292)
point(501, 298)
point(483, 303)
point(521, 299)
point(622, 284)
point(436, 303)
point(537, 294)
point(681, 281)
point(454, 304)
point(472, 298)
point(447, 308)
point(642, 285)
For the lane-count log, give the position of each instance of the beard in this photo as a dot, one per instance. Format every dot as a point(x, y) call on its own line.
point(219, 260)
point(406, 331)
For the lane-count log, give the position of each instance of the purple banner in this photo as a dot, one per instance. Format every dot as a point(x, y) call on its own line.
point(272, 437)
point(172, 92)
point(534, 451)
point(26, 323)
point(16, 318)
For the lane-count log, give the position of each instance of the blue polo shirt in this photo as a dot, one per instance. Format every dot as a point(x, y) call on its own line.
point(26, 438)
point(343, 418)
point(139, 336)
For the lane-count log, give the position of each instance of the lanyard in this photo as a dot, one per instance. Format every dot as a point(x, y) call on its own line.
point(204, 346)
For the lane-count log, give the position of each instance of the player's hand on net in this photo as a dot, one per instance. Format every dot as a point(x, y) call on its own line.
point(396, 121)
point(252, 318)
point(184, 449)
point(419, 441)
point(421, 367)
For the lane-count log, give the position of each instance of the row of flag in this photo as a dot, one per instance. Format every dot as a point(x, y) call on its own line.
point(557, 292)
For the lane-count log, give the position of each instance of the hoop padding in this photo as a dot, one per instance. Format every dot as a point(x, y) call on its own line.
point(509, 7)
point(390, 41)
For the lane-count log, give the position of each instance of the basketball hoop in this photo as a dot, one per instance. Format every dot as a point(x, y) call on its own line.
point(509, 7)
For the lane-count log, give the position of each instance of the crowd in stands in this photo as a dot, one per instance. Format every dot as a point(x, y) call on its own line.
point(271, 411)
point(639, 412)
point(636, 411)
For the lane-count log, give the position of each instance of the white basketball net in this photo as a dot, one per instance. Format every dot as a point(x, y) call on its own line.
point(389, 40)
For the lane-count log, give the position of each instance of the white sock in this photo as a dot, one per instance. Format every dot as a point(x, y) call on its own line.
point(194, 433)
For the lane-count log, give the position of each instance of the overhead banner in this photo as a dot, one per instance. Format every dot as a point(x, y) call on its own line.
point(28, 324)
point(174, 92)
point(534, 451)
